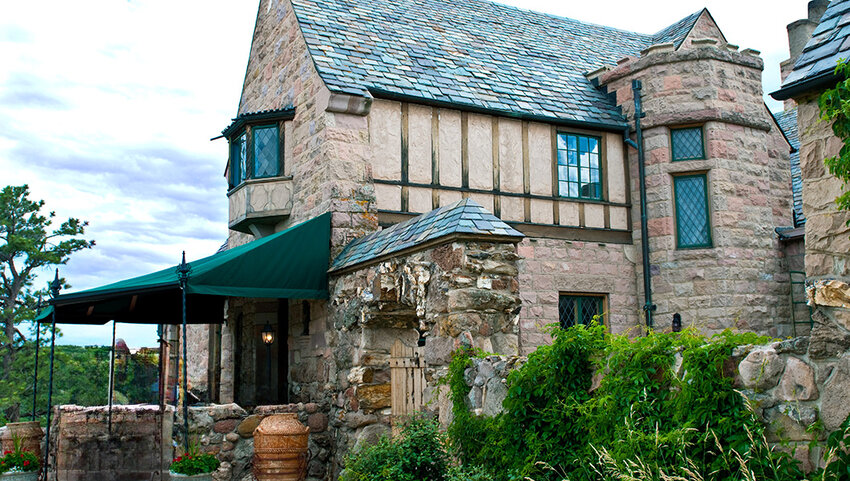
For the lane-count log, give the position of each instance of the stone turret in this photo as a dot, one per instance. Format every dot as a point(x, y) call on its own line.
point(713, 253)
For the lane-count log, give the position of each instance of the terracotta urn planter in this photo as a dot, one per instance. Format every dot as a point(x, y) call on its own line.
point(33, 476)
point(280, 449)
point(30, 434)
point(187, 477)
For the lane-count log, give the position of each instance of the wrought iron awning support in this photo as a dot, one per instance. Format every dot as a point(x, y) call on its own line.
point(111, 380)
point(55, 286)
point(183, 278)
point(35, 370)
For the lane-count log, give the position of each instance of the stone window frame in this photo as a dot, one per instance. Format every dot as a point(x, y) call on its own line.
point(601, 297)
point(247, 166)
point(708, 212)
point(602, 165)
point(701, 128)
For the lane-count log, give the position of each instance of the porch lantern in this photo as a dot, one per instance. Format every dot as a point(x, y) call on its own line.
point(268, 334)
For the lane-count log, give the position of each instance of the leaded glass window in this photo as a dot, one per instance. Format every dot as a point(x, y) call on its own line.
point(574, 310)
point(266, 146)
point(238, 160)
point(687, 143)
point(693, 228)
point(579, 167)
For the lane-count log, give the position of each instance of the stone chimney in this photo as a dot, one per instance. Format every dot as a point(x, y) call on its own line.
point(799, 33)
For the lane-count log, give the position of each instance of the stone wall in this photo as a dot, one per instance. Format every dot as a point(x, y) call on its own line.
point(549, 267)
point(227, 431)
point(462, 291)
point(328, 136)
point(742, 280)
point(137, 449)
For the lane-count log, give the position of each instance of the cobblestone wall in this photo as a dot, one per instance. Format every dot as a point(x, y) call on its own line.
point(227, 431)
point(458, 292)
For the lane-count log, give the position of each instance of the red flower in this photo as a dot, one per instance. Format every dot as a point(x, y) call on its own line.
point(6, 452)
point(26, 463)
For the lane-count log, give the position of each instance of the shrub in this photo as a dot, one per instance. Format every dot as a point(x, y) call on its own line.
point(643, 421)
point(418, 453)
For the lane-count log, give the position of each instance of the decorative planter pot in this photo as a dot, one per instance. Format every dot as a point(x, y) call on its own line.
point(30, 434)
point(33, 476)
point(186, 477)
point(280, 449)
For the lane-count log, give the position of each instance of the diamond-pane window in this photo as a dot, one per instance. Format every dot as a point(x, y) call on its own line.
point(693, 228)
point(238, 159)
point(266, 159)
point(579, 166)
point(687, 143)
point(574, 310)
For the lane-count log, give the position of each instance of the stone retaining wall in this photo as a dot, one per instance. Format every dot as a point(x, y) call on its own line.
point(227, 430)
point(137, 449)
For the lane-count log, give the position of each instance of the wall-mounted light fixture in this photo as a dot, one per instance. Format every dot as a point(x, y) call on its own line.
point(268, 334)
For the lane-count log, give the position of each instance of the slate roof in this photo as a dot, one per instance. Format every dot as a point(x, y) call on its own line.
point(830, 41)
point(787, 121)
point(473, 53)
point(463, 217)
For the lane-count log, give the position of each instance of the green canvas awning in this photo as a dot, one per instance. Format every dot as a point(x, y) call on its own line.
point(291, 264)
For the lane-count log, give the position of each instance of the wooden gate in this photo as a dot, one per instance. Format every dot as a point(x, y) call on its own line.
point(408, 381)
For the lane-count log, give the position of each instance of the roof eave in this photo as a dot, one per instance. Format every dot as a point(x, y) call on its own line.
point(803, 86)
point(390, 95)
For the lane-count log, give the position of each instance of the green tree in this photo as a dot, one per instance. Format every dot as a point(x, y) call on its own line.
point(28, 244)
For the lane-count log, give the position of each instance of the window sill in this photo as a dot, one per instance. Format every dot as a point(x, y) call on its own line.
point(262, 180)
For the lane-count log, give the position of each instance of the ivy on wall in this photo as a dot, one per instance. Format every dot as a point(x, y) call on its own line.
point(834, 106)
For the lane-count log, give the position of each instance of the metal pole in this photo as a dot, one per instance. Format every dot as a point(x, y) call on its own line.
point(35, 371)
point(111, 380)
point(648, 306)
point(54, 290)
point(183, 278)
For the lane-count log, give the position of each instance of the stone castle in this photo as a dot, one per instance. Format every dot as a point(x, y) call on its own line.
point(490, 171)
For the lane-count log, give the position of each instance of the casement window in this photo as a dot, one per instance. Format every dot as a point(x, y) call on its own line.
point(255, 153)
point(687, 144)
point(238, 160)
point(579, 309)
point(579, 166)
point(266, 151)
point(693, 225)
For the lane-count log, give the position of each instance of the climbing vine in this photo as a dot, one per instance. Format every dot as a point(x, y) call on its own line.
point(834, 106)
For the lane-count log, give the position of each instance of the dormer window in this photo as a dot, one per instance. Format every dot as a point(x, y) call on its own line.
point(256, 146)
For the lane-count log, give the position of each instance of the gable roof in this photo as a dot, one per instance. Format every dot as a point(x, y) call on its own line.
point(471, 53)
point(787, 121)
point(462, 217)
point(830, 41)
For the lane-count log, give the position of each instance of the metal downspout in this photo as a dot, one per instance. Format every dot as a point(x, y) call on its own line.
point(648, 307)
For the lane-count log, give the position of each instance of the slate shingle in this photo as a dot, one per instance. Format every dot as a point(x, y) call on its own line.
point(787, 121)
point(479, 54)
point(463, 217)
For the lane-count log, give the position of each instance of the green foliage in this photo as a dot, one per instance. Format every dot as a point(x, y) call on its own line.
point(418, 453)
point(641, 418)
point(834, 106)
point(28, 244)
point(194, 462)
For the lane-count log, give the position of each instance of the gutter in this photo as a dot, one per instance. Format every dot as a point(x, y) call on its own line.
point(825, 79)
point(648, 307)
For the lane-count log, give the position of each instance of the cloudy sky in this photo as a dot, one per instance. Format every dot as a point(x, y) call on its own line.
point(107, 108)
